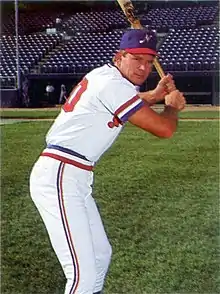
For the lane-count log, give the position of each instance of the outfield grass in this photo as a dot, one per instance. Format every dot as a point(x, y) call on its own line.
point(30, 113)
point(53, 112)
point(199, 114)
point(159, 200)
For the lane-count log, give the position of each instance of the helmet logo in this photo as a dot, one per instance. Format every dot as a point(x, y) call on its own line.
point(147, 38)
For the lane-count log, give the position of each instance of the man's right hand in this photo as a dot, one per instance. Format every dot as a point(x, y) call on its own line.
point(176, 100)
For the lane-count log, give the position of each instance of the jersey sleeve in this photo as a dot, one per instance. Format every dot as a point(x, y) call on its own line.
point(121, 99)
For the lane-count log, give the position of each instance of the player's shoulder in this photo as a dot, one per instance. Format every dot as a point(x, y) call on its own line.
point(109, 75)
point(105, 71)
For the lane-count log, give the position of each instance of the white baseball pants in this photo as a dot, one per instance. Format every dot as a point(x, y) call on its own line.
point(62, 194)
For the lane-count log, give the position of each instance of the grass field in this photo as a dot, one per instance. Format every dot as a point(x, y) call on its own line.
point(159, 200)
point(52, 113)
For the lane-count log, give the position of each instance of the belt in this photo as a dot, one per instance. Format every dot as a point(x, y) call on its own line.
point(67, 156)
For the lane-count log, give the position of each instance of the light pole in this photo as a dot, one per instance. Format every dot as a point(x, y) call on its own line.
point(18, 77)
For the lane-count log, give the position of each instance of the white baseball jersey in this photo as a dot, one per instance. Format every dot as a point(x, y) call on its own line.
point(62, 178)
point(94, 114)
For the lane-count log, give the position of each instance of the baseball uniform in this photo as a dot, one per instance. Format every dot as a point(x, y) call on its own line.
point(62, 178)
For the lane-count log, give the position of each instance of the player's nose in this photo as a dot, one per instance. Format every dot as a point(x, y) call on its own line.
point(142, 67)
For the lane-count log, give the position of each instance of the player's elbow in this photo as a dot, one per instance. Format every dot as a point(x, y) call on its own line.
point(164, 131)
point(167, 134)
point(152, 122)
point(167, 131)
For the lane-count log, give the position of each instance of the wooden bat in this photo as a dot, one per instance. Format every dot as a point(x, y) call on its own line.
point(128, 9)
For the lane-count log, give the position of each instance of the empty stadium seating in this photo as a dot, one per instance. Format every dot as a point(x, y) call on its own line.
point(191, 49)
point(182, 50)
point(83, 52)
point(180, 17)
point(190, 42)
point(95, 21)
point(29, 23)
point(32, 48)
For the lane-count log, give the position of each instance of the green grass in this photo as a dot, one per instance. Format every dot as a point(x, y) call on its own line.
point(30, 113)
point(52, 113)
point(199, 114)
point(159, 200)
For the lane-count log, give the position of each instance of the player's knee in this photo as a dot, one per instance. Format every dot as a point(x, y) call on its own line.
point(103, 262)
point(82, 282)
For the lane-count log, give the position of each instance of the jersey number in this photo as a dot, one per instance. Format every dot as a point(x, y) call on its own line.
point(75, 95)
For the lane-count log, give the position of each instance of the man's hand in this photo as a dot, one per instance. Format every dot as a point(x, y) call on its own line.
point(176, 100)
point(166, 85)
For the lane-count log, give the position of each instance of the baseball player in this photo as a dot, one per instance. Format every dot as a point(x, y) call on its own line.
point(88, 124)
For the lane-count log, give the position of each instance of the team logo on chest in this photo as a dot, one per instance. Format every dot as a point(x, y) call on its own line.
point(114, 123)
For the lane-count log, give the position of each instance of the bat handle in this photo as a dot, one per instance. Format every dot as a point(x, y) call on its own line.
point(158, 68)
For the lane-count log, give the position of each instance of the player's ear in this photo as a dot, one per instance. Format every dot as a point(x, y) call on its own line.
point(118, 56)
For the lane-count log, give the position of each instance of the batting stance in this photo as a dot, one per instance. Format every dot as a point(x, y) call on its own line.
point(89, 122)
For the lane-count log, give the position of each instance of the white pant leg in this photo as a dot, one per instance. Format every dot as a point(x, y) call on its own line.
point(101, 244)
point(59, 191)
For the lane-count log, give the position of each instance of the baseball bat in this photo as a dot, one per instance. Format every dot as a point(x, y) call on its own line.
point(128, 9)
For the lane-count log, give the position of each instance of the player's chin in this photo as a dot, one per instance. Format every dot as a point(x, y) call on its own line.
point(139, 80)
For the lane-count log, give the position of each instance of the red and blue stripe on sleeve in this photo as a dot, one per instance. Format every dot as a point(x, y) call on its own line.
point(129, 108)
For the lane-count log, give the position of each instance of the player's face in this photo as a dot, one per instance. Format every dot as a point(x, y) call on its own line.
point(136, 67)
